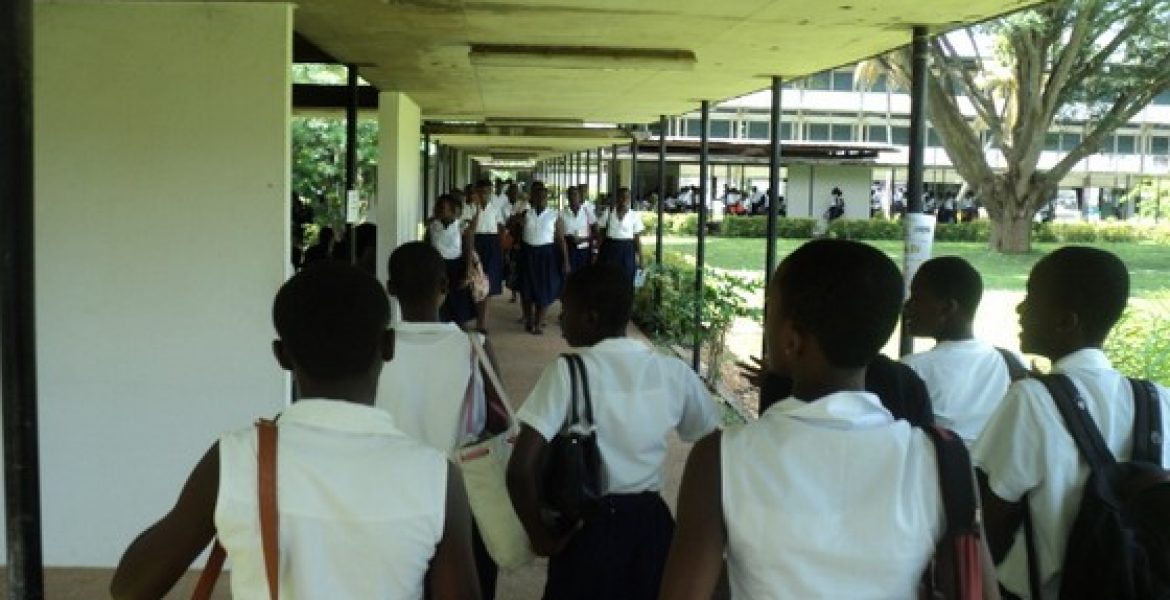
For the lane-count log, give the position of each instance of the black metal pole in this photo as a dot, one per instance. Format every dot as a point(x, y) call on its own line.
point(598, 189)
point(914, 187)
point(351, 142)
point(614, 175)
point(18, 365)
point(426, 176)
point(773, 192)
point(634, 169)
point(661, 188)
point(700, 254)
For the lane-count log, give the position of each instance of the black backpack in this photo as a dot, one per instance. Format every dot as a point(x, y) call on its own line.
point(1119, 545)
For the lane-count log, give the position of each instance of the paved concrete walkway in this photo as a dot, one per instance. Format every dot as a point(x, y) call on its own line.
point(522, 358)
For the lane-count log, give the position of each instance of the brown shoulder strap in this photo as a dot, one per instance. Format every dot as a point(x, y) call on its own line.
point(269, 517)
point(210, 573)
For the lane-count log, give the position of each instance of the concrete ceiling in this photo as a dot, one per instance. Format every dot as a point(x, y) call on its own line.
point(422, 47)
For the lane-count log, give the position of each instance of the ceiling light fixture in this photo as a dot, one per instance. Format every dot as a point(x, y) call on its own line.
point(581, 57)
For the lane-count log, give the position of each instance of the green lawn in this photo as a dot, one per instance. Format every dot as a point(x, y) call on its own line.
point(1149, 264)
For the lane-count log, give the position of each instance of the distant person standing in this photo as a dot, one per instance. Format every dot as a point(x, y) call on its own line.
point(579, 224)
point(451, 236)
point(621, 235)
point(491, 217)
point(322, 250)
point(542, 269)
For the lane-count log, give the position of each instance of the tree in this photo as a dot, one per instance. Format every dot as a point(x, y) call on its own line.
point(1093, 63)
point(318, 165)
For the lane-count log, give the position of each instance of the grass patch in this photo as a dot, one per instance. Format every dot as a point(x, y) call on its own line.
point(1149, 264)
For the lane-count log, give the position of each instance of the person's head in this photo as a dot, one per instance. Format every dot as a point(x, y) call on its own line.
point(417, 278)
point(325, 236)
point(596, 304)
point(574, 198)
point(499, 186)
point(539, 197)
point(1075, 295)
point(446, 208)
point(513, 192)
point(482, 190)
point(944, 296)
point(832, 305)
point(623, 198)
point(331, 324)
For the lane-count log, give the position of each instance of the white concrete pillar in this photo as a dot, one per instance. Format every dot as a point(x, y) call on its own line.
point(398, 212)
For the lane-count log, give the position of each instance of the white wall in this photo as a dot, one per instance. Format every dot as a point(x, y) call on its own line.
point(162, 167)
point(399, 207)
point(813, 184)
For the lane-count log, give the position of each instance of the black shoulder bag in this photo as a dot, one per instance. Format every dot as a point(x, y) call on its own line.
point(571, 473)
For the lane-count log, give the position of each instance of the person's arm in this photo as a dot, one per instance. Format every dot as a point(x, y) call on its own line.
point(159, 556)
point(696, 554)
point(560, 240)
point(451, 575)
point(638, 250)
point(522, 488)
point(468, 242)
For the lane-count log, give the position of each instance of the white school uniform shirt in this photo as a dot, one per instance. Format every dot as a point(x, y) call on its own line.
point(540, 230)
point(501, 199)
point(361, 505)
point(424, 387)
point(578, 225)
point(621, 228)
point(519, 206)
point(829, 499)
point(447, 239)
point(639, 396)
point(1026, 449)
point(966, 381)
point(492, 216)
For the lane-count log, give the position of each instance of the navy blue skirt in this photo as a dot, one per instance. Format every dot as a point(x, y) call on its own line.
point(620, 253)
point(540, 275)
point(578, 258)
point(491, 256)
point(457, 306)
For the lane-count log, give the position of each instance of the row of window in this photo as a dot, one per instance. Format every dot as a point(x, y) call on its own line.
point(900, 135)
point(844, 81)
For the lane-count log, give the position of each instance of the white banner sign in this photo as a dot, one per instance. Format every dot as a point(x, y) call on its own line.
point(919, 244)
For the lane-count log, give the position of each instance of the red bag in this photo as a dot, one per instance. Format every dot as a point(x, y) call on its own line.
point(957, 570)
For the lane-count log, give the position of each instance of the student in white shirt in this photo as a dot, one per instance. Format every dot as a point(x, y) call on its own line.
point(966, 378)
point(452, 237)
point(826, 495)
point(543, 260)
point(638, 397)
point(579, 224)
point(348, 526)
point(1075, 295)
point(621, 235)
point(424, 387)
point(491, 217)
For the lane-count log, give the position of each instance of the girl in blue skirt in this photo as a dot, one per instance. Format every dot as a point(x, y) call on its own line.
point(541, 268)
point(489, 216)
point(451, 236)
point(621, 230)
point(579, 223)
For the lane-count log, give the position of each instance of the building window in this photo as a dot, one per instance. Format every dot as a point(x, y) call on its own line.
point(720, 129)
point(901, 136)
point(877, 133)
point(694, 128)
point(1069, 141)
point(818, 132)
point(1162, 99)
point(1126, 144)
point(841, 133)
point(1160, 145)
point(819, 81)
point(757, 130)
point(932, 139)
point(842, 81)
point(1052, 142)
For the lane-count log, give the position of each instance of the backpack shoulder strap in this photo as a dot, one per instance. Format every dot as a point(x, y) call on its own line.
point(1078, 421)
point(1016, 369)
point(586, 397)
point(1147, 422)
point(269, 516)
point(954, 477)
point(574, 416)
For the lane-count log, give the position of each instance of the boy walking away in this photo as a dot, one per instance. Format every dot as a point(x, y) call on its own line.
point(1028, 464)
point(827, 495)
point(638, 398)
point(424, 387)
point(363, 510)
point(966, 378)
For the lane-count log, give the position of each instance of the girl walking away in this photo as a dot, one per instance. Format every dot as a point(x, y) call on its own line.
point(579, 223)
point(638, 397)
point(541, 267)
point(621, 229)
point(490, 215)
point(451, 236)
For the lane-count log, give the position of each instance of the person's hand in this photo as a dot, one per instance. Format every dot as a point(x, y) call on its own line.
point(753, 372)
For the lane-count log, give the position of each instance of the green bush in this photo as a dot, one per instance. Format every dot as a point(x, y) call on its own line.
point(1139, 345)
point(673, 224)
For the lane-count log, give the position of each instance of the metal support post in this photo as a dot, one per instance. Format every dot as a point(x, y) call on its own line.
point(773, 193)
point(914, 187)
point(700, 253)
point(351, 142)
point(426, 174)
point(661, 188)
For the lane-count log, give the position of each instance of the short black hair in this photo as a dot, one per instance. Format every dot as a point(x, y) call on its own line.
point(846, 294)
point(605, 288)
point(448, 199)
point(417, 271)
point(952, 278)
point(330, 318)
point(1090, 282)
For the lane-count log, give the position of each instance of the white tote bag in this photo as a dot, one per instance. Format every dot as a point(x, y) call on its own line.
point(484, 464)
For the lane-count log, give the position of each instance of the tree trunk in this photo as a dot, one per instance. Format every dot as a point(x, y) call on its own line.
point(1011, 233)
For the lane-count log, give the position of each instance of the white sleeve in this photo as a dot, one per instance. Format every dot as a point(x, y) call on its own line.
point(1010, 450)
point(547, 406)
point(638, 226)
point(700, 413)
